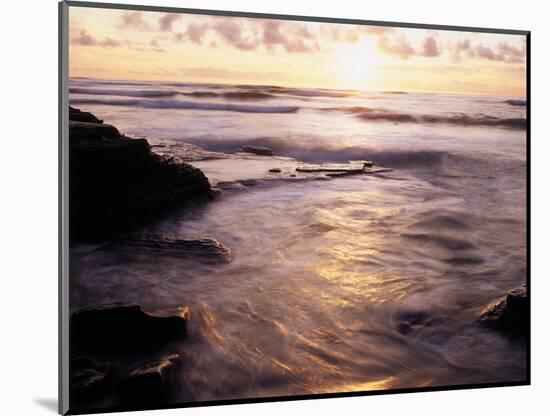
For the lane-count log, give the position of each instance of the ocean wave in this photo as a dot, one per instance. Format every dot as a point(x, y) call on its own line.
point(231, 95)
point(458, 119)
point(519, 103)
point(123, 93)
point(186, 105)
point(325, 152)
point(353, 109)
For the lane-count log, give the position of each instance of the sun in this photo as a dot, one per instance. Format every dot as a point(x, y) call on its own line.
point(355, 65)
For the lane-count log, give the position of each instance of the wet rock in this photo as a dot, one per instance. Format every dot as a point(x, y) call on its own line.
point(257, 150)
point(341, 169)
point(407, 321)
point(77, 115)
point(121, 329)
point(117, 184)
point(91, 132)
point(88, 378)
point(275, 170)
point(201, 249)
point(510, 314)
point(150, 380)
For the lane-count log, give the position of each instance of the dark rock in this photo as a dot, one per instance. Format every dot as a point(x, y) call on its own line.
point(510, 314)
point(88, 378)
point(91, 132)
point(77, 115)
point(202, 249)
point(407, 321)
point(117, 184)
point(121, 329)
point(275, 170)
point(150, 380)
point(257, 150)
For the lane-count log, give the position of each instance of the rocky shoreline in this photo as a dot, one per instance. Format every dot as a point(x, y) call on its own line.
point(118, 183)
point(120, 352)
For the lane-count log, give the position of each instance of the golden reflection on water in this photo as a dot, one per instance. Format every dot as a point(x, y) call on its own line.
point(375, 286)
point(356, 262)
point(382, 384)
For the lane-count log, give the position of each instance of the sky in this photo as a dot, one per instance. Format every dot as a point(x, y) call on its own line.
point(135, 45)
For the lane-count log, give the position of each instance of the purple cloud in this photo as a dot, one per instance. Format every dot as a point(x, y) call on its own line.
point(291, 38)
point(398, 47)
point(430, 48)
point(460, 49)
point(85, 39)
point(194, 32)
point(166, 21)
point(231, 32)
point(503, 52)
point(134, 20)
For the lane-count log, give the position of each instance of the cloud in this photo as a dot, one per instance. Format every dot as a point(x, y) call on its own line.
point(501, 53)
point(398, 47)
point(194, 32)
point(232, 33)
point(430, 48)
point(513, 54)
point(85, 39)
point(460, 49)
point(166, 21)
point(134, 20)
point(292, 38)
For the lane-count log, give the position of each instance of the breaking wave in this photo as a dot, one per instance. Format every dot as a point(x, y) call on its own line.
point(123, 93)
point(232, 95)
point(188, 105)
point(380, 114)
point(325, 152)
point(458, 119)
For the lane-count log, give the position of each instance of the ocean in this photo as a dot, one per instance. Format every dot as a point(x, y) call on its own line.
point(344, 284)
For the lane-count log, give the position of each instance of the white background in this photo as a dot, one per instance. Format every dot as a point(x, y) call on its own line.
point(28, 205)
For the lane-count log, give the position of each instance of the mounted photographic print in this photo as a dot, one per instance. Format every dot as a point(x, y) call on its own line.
point(263, 207)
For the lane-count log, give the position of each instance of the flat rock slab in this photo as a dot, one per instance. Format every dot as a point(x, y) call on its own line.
point(122, 328)
point(201, 249)
point(340, 169)
point(241, 170)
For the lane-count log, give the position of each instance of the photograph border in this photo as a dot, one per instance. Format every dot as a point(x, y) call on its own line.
point(63, 210)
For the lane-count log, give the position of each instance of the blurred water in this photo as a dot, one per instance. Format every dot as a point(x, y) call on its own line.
point(356, 283)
